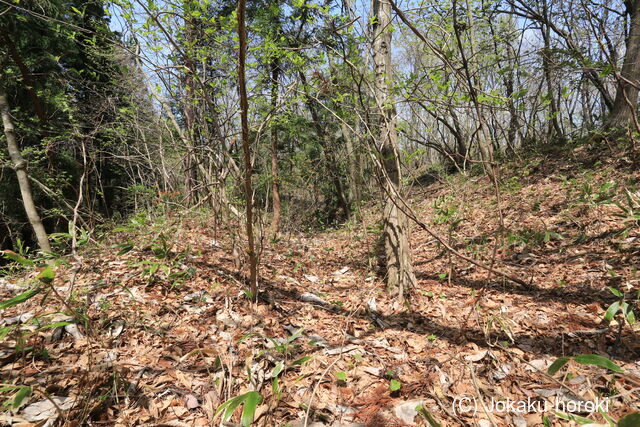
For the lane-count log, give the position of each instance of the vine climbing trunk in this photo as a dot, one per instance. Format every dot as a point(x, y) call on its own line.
point(20, 166)
point(246, 148)
point(400, 274)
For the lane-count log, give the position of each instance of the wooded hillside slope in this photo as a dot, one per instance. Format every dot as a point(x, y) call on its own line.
point(168, 332)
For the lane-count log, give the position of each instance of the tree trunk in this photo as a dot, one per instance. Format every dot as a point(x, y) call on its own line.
point(275, 178)
point(20, 165)
point(484, 140)
point(508, 81)
point(625, 105)
point(353, 159)
point(462, 152)
point(190, 159)
point(397, 250)
point(244, 118)
point(587, 109)
point(354, 163)
point(554, 129)
point(327, 148)
point(29, 85)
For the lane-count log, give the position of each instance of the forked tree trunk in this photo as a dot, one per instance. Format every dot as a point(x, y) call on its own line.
point(20, 166)
point(625, 106)
point(400, 274)
point(275, 178)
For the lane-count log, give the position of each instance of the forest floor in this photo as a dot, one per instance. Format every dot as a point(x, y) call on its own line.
point(171, 334)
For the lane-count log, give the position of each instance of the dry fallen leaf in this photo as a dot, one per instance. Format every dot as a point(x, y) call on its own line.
point(476, 357)
point(190, 401)
point(45, 409)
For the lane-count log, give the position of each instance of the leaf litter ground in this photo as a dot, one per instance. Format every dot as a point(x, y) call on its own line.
point(172, 335)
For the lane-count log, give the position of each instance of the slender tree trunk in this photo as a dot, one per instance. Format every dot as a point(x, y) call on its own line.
point(25, 74)
point(29, 85)
point(353, 158)
point(190, 158)
point(587, 109)
point(397, 250)
point(508, 81)
point(244, 109)
point(514, 122)
point(328, 149)
point(625, 106)
point(462, 152)
point(275, 178)
point(20, 166)
point(483, 137)
point(554, 125)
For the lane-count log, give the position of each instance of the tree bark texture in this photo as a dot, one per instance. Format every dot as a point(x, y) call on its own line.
point(275, 178)
point(400, 274)
point(20, 166)
point(625, 105)
point(246, 148)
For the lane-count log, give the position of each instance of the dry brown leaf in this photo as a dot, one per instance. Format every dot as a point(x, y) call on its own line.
point(190, 401)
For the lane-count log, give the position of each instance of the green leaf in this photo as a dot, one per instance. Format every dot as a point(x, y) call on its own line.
point(229, 406)
point(606, 70)
point(276, 371)
point(616, 292)
point(19, 299)
point(610, 420)
point(624, 308)
point(519, 94)
point(341, 376)
point(301, 361)
point(47, 275)
point(59, 236)
point(23, 393)
point(5, 331)
point(594, 359)
point(611, 311)
point(430, 418)
point(631, 317)
point(124, 248)
point(295, 336)
point(251, 402)
point(18, 258)
point(55, 325)
point(250, 399)
point(555, 366)
point(394, 385)
point(631, 420)
point(571, 417)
